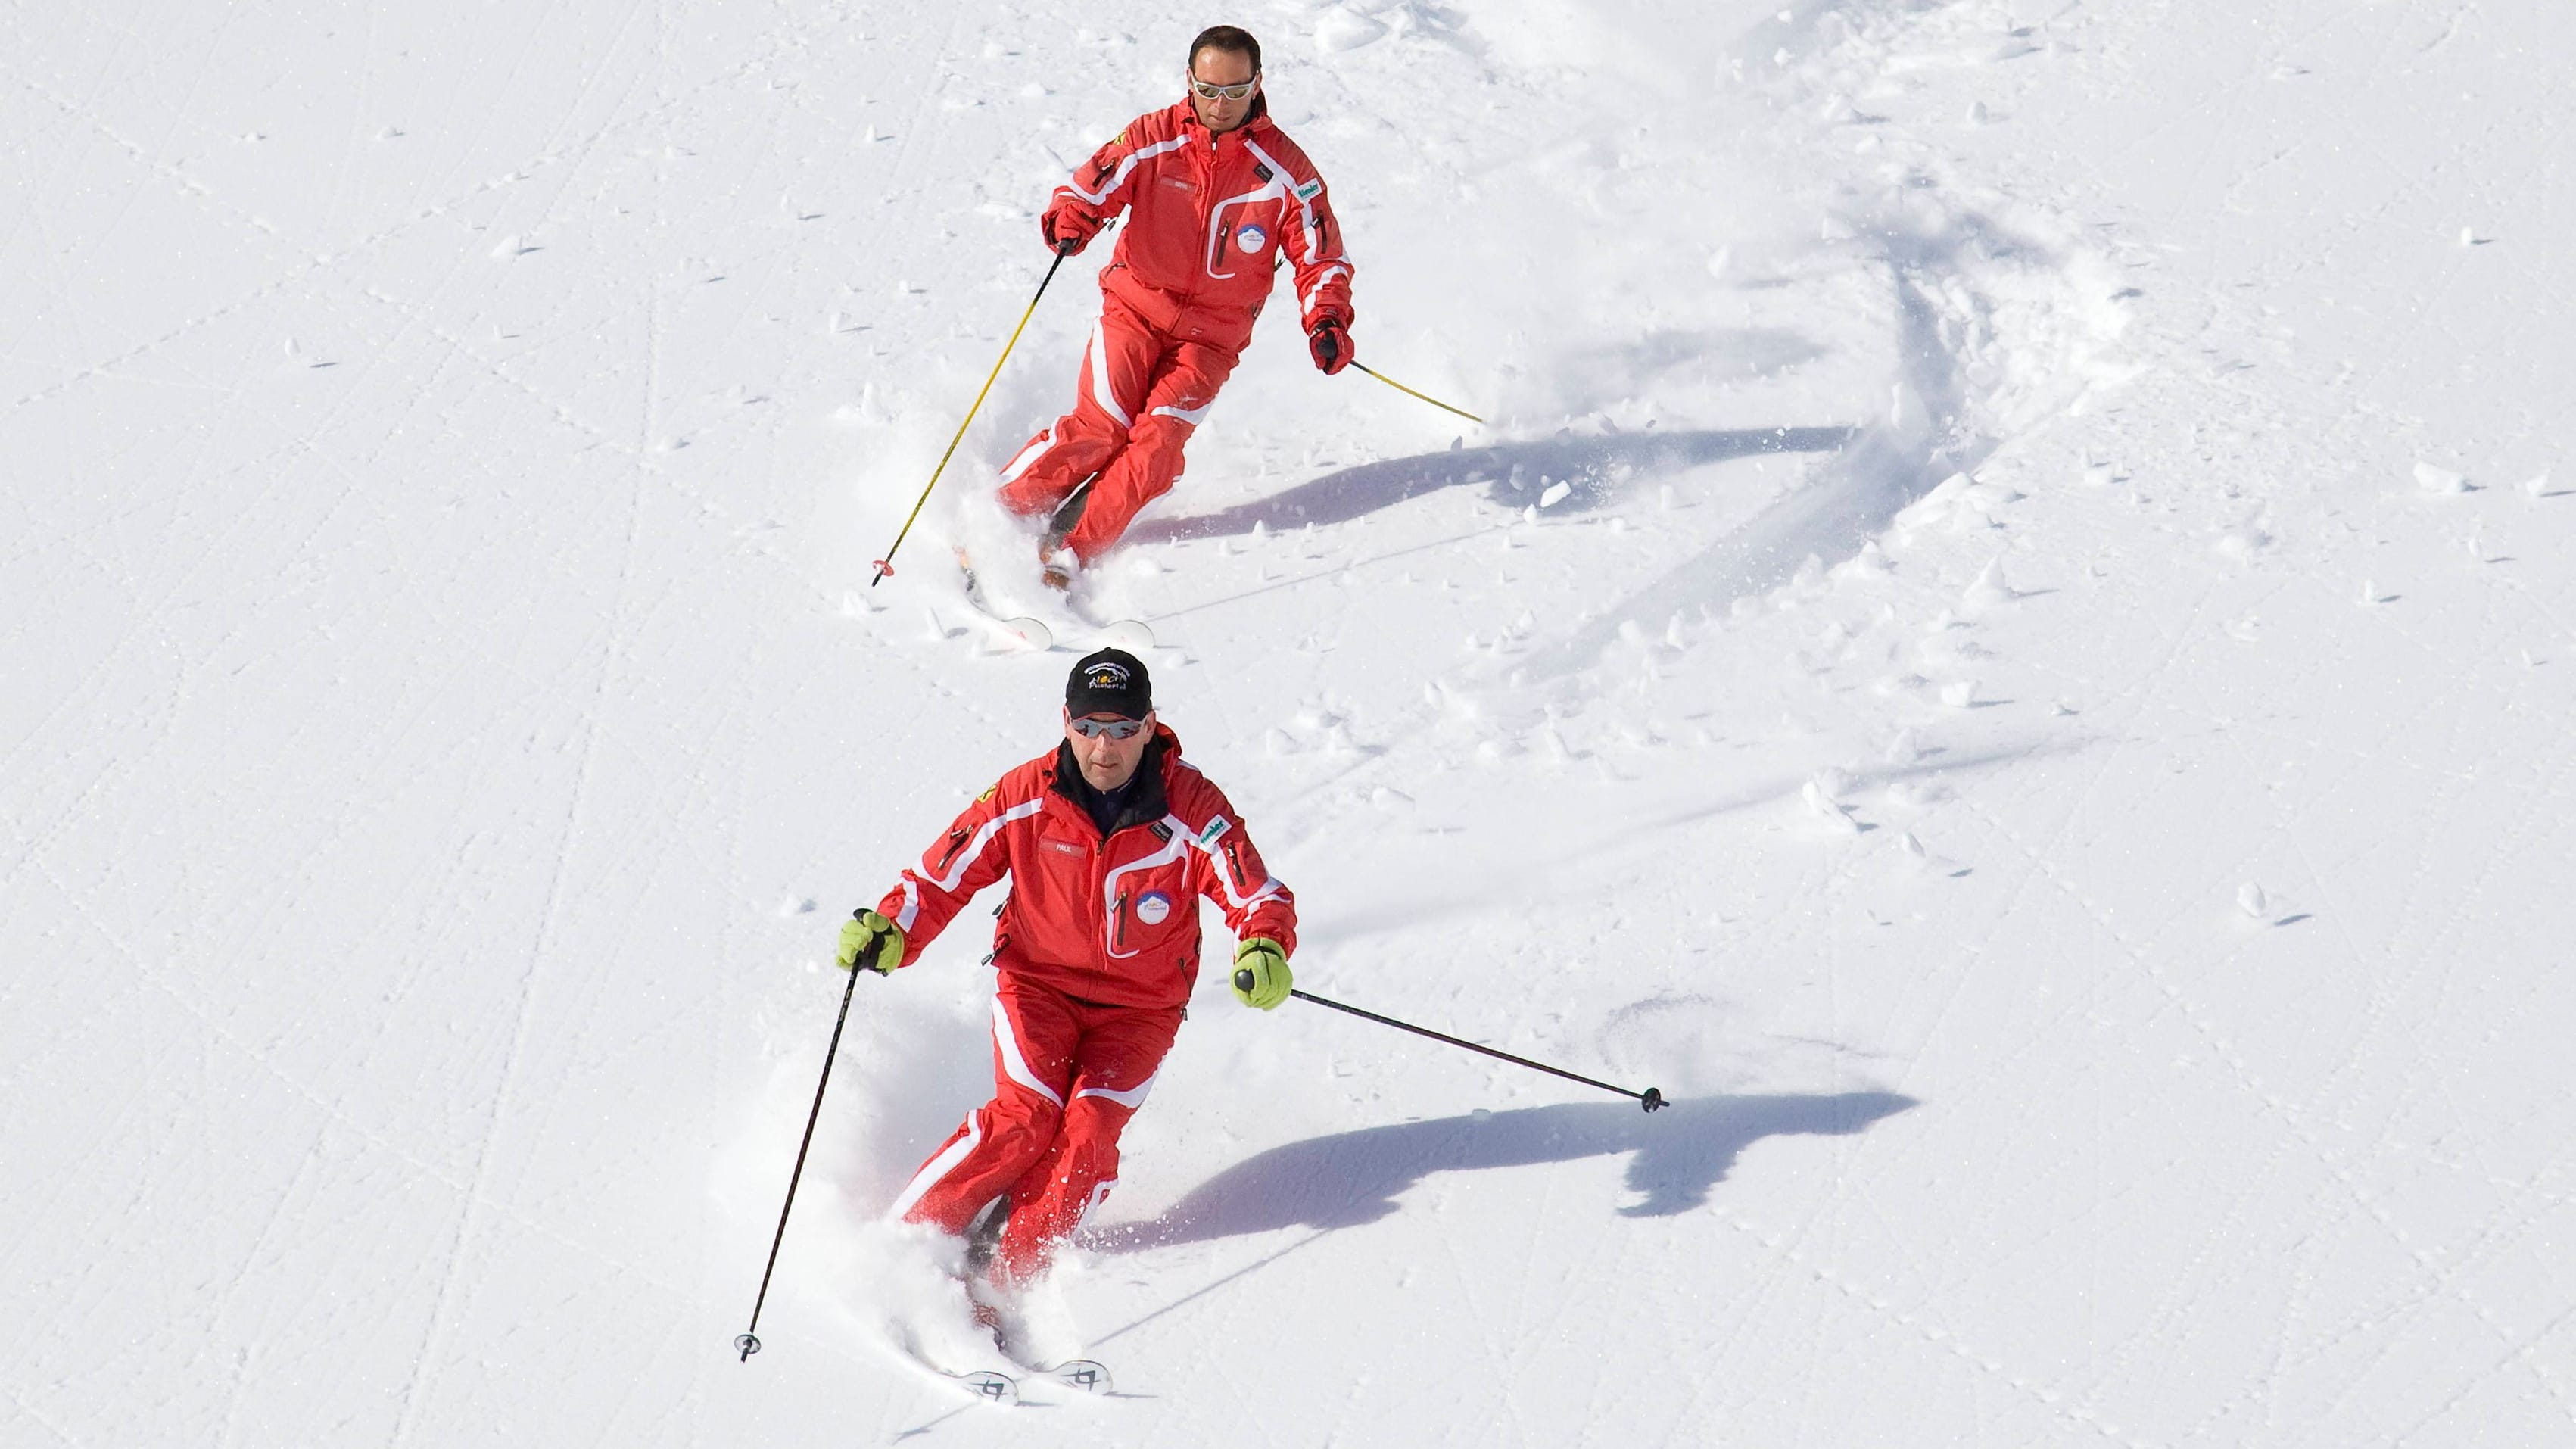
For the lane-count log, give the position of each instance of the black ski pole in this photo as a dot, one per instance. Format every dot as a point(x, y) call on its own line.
point(1651, 1098)
point(748, 1342)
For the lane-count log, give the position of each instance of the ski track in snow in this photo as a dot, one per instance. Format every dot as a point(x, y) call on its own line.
point(1997, 647)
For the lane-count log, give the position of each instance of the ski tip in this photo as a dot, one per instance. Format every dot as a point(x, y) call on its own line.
point(1087, 1375)
point(989, 1386)
point(1128, 634)
point(1031, 634)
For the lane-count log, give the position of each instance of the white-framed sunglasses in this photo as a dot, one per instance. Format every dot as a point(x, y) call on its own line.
point(1206, 92)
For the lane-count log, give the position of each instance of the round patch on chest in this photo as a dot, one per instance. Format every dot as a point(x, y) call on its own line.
point(1252, 238)
point(1152, 907)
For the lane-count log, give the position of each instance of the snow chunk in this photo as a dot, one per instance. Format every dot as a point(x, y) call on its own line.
point(1988, 588)
point(1870, 563)
point(1818, 795)
point(1342, 28)
point(2440, 480)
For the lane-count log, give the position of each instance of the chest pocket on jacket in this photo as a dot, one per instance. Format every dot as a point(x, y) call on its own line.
point(1149, 897)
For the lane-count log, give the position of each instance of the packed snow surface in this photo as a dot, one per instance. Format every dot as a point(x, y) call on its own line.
point(2008, 644)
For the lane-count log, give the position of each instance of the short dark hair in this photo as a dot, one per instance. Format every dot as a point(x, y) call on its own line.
point(1224, 37)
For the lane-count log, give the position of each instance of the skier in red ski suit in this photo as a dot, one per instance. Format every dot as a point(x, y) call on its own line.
point(1215, 195)
point(1110, 839)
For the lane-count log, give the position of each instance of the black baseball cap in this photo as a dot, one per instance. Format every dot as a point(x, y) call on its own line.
point(1109, 681)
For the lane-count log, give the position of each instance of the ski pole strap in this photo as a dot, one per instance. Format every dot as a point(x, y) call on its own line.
point(1651, 1098)
point(1426, 397)
point(885, 566)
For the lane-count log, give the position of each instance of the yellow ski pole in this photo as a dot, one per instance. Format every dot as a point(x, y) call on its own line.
point(885, 566)
point(1426, 397)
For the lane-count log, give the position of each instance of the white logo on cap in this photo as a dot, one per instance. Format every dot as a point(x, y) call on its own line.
point(1107, 674)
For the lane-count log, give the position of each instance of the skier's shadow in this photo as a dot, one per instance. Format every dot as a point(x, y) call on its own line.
point(1515, 474)
point(1350, 1178)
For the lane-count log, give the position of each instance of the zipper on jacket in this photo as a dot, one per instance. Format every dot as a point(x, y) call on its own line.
point(1118, 930)
point(956, 843)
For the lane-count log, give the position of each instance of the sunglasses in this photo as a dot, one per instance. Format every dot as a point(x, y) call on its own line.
point(1116, 729)
point(1207, 92)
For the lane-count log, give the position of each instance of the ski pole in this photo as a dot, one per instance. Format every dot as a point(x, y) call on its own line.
point(748, 1342)
point(1426, 397)
point(885, 566)
point(1651, 1098)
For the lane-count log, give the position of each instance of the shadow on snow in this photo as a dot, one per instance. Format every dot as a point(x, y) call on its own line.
point(1350, 1178)
point(1515, 474)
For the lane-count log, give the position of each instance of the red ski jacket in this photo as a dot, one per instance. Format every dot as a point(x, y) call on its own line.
point(1109, 919)
point(1209, 217)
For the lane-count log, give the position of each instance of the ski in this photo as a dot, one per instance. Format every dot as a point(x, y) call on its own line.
point(1085, 1375)
point(1128, 634)
point(985, 1385)
point(1028, 633)
point(1002, 1389)
point(1132, 635)
point(988, 1386)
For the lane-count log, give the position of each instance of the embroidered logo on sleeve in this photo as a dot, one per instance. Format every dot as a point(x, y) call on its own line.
point(1215, 828)
point(1311, 189)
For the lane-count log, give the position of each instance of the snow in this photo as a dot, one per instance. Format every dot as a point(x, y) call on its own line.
point(2006, 644)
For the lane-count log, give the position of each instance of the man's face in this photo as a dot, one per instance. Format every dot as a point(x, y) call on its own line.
point(1107, 762)
point(1216, 67)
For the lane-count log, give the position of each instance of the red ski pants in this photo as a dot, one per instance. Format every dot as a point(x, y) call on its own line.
point(1067, 1075)
point(1143, 391)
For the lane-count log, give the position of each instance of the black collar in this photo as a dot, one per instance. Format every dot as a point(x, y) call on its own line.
point(1145, 801)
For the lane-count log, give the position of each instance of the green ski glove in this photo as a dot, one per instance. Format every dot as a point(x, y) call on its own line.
point(1261, 973)
point(872, 941)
